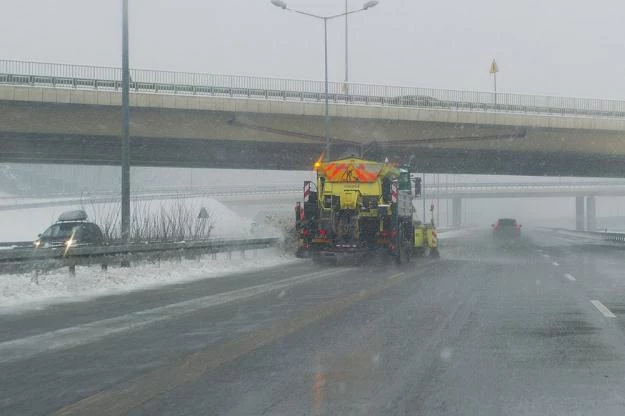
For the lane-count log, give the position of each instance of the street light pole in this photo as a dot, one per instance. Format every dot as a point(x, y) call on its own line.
point(125, 127)
point(369, 4)
point(326, 123)
point(346, 50)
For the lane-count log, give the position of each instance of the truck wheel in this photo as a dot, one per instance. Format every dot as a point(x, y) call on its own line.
point(434, 253)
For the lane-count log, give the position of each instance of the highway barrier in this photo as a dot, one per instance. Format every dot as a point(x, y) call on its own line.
point(602, 238)
point(22, 259)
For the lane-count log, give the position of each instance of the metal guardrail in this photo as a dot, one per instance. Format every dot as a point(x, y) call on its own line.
point(15, 244)
point(111, 197)
point(604, 188)
point(23, 259)
point(589, 237)
point(551, 184)
point(186, 83)
point(233, 190)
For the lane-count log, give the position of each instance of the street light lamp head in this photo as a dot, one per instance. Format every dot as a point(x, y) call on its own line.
point(369, 4)
point(282, 5)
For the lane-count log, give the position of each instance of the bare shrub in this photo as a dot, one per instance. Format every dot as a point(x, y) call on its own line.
point(173, 222)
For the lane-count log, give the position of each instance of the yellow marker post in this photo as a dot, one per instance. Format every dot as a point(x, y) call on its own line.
point(493, 70)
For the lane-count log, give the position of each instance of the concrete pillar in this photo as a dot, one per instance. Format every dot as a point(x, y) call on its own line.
point(456, 208)
point(591, 213)
point(579, 213)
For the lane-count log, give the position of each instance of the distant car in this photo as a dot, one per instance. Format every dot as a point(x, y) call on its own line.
point(506, 229)
point(71, 230)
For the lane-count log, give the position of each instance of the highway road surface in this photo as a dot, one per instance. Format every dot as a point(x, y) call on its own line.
point(533, 329)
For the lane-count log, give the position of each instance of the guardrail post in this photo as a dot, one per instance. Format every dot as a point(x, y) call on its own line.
point(229, 254)
point(104, 267)
point(456, 207)
point(591, 213)
point(579, 213)
point(72, 269)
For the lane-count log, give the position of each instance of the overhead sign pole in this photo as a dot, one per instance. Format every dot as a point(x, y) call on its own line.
point(493, 70)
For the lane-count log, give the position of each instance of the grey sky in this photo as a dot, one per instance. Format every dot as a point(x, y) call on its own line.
point(563, 47)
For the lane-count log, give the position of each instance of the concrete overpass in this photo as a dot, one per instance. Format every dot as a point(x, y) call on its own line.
point(71, 114)
point(585, 194)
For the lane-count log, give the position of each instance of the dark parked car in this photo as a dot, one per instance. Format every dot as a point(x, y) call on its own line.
point(506, 229)
point(71, 230)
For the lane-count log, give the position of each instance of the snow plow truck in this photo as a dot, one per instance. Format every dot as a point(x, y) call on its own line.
point(357, 209)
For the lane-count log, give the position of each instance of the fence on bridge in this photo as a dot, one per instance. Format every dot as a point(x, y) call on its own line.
point(169, 82)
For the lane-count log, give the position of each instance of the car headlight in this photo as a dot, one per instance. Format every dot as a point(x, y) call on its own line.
point(71, 242)
point(37, 243)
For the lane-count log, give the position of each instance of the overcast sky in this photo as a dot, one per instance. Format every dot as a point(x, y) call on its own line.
point(561, 47)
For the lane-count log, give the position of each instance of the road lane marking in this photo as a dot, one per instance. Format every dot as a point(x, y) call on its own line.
point(555, 263)
point(546, 256)
point(603, 309)
point(62, 339)
point(130, 394)
point(396, 276)
point(570, 277)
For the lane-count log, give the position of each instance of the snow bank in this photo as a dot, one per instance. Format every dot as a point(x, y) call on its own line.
point(19, 292)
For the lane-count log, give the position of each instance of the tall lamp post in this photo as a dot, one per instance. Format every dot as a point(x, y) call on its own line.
point(369, 4)
point(125, 129)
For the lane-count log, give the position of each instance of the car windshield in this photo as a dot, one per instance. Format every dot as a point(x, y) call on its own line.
point(312, 207)
point(61, 230)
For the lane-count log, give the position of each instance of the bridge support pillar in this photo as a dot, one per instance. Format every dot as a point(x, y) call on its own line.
point(579, 213)
point(456, 208)
point(591, 213)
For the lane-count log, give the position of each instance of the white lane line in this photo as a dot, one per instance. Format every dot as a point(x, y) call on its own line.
point(19, 349)
point(603, 309)
point(570, 277)
point(555, 263)
point(546, 256)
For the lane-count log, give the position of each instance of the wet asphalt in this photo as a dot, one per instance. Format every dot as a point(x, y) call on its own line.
point(531, 328)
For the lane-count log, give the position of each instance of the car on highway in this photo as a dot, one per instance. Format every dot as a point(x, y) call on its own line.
point(506, 229)
point(71, 230)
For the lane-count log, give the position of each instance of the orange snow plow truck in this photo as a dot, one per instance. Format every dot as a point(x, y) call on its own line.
point(357, 209)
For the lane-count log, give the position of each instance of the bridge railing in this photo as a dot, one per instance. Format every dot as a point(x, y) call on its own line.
point(529, 185)
point(169, 82)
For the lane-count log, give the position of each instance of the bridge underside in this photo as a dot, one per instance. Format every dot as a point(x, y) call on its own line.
point(203, 153)
point(89, 134)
